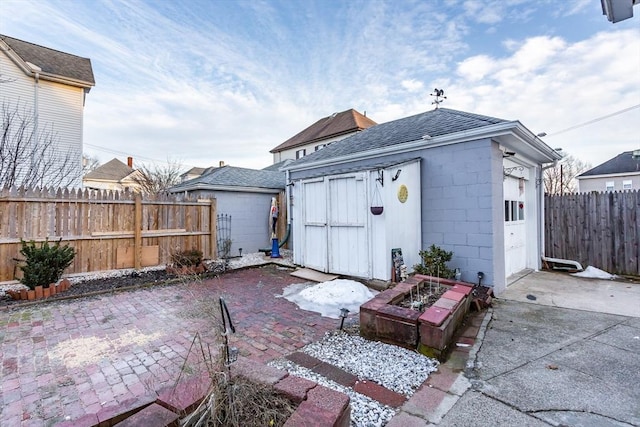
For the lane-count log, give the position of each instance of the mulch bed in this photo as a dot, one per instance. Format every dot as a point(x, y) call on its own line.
point(108, 284)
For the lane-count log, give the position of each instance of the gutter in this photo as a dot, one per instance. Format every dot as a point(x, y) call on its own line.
point(209, 187)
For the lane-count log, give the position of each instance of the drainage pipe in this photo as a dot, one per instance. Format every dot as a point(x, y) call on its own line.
point(577, 265)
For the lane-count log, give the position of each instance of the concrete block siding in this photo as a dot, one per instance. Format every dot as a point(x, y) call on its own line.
point(457, 205)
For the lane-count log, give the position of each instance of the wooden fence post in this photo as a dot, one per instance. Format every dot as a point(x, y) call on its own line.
point(213, 228)
point(137, 232)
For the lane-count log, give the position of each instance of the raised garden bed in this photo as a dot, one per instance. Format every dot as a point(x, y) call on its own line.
point(397, 316)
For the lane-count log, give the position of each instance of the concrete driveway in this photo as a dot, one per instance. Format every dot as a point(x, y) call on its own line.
point(560, 359)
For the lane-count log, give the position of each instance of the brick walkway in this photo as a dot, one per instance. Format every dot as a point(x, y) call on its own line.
point(65, 360)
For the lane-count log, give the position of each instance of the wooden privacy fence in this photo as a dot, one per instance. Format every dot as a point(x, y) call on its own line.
point(108, 230)
point(597, 229)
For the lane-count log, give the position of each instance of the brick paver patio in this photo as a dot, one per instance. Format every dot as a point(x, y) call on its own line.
point(65, 360)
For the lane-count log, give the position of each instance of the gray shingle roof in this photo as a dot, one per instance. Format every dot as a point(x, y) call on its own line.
point(438, 122)
point(622, 163)
point(113, 170)
point(231, 176)
point(53, 61)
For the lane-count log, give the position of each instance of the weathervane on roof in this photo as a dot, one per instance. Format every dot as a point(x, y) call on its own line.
point(439, 94)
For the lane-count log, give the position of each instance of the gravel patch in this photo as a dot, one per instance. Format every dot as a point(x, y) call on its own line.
point(395, 368)
point(365, 412)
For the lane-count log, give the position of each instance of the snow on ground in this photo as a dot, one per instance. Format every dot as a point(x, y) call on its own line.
point(327, 298)
point(594, 273)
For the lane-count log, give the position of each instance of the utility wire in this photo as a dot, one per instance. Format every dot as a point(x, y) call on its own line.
point(597, 119)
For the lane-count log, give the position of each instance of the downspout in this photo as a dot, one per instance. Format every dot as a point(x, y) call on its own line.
point(36, 114)
point(540, 179)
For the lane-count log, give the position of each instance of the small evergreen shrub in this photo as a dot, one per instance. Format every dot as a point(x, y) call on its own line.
point(44, 264)
point(434, 262)
point(190, 258)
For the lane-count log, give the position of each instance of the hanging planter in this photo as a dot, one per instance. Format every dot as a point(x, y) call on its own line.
point(376, 199)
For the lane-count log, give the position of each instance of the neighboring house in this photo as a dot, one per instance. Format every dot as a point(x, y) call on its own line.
point(617, 174)
point(320, 134)
point(49, 87)
point(245, 195)
point(113, 175)
point(465, 182)
point(194, 172)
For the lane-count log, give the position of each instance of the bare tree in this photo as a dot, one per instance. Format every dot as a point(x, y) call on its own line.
point(89, 164)
point(560, 179)
point(157, 179)
point(31, 155)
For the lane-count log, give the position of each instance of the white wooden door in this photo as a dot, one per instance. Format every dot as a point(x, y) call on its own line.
point(515, 236)
point(314, 240)
point(335, 230)
point(347, 226)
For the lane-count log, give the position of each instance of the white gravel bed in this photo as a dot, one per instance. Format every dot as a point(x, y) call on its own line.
point(393, 367)
point(365, 412)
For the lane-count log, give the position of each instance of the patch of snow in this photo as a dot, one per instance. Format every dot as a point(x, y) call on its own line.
point(327, 298)
point(594, 273)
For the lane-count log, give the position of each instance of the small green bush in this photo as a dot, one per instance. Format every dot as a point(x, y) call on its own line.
point(44, 265)
point(434, 262)
point(191, 258)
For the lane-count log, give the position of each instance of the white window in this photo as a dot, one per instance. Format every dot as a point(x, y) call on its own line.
point(609, 186)
point(627, 185)
point(300, 153)
point(320, 147)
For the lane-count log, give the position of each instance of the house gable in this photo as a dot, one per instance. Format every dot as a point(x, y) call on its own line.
point(47, 89)
point(322, 133)
point(617, 174)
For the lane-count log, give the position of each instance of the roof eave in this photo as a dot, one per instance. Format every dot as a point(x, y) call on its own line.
point(436, 141)
point(17, 59)
point(211, 187)
point(608, 175)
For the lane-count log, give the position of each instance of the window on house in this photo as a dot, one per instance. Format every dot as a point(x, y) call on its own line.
point(513, 210)
point(609, 186)
point(627, 185)
point(520, 210)
point(301, 153)
point(320, 147)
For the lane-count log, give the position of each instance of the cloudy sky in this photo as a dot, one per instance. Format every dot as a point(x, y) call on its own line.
point(200, 81)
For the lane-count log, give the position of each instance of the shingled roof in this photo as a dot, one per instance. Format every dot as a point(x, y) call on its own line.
point(622, 163)
point(441, 121)
point(231, 176)
point(328, 127)
point(52, 62)
point(113, 170)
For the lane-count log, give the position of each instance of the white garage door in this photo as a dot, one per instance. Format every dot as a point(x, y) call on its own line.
point(515, 236)
point(335, 225)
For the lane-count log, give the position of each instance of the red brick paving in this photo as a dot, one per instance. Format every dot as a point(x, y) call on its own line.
point(43, 386)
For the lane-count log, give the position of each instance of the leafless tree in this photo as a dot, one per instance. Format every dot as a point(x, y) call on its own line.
point(32, 156)
point(560, 179)
point(155, 179)
point(89, 164)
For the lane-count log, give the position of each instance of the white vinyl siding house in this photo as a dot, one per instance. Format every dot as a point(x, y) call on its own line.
point(48, 88)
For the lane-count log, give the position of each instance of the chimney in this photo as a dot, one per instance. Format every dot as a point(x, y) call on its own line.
point(130, 162)
point(221, 163)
